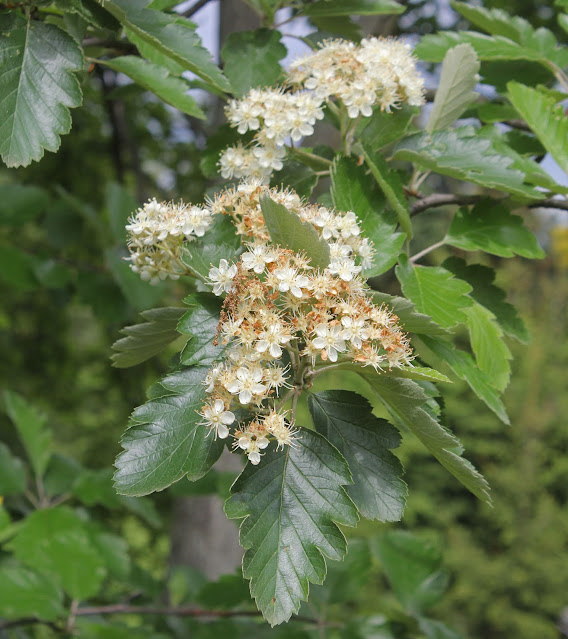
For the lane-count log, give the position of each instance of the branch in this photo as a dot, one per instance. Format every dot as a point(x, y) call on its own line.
point(195, 8)
point(443, 199)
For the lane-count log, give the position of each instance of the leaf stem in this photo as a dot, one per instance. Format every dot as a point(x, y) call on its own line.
point(427, 250)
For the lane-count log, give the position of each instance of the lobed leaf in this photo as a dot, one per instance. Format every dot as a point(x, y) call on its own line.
point(292, 502)
point(166, 439)
point(346, 420)
point(409, 318)
point(37, 88)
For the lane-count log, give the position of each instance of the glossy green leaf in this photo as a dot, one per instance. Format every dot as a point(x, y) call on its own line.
point(405, 401)
point(485, 292)
point(456, 87)
point(464, 366)
point(166, 440)
point(146, 340)
point(494, 229)
point(346, 420)
point(351, 190)
point(420, 373)
point(169, 88)
point(171, 35)
point(461, 154)
point(435, 292)
point(12, 473)
point(56, 543)
point(491, 353)
point(545, 117)
point(390, 184)
point(89, 11)
point(408, 317)
point(31, 427)
point(200, 322)
point(37, 88)
point(252, 59)
point(287, 230)
point(352, 7)
point(20, 204)
point(292, 502)
point(25, 593)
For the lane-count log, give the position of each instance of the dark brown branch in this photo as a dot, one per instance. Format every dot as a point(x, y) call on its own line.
point(195, 8)
point(444, 199)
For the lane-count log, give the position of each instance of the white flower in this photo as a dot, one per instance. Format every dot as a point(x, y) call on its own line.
point(217, 418)
point(290, 280)
point(355, 330)
point(346, 269)
point(257, 257)
point(330, 340)
point(222, 277)
point(328, 222)
point(271, 338)
point(247, 384)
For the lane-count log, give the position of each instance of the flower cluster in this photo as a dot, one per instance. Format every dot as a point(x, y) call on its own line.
point(157, 233)
point(379, 71)
point(283, 320)
point(274, 116)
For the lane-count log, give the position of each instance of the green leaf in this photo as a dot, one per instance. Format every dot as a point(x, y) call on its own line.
point(413, 567)
point(252, 59)
point(435, 292)
point(287, 230)
point(545, 117)
point(291, 502)
point(338, 26)
point(201, 324)
point(409, 318)
point(30, 424)
point(421, 373)
point(56, 542)
point(201, 255)
point(346, 420)
point(298, 176)
point(405, 400)
point(465, 368)
point(491, 352)
point(12, 473)
point(166, 440)
point(20, 204)
point(37, 88)
point(494, 229)
point(352, 7)
point(384, 128)
point(351, 190)
point(485, 292)
point(146, 340)
point(461, 154)
point(390, 184)
point(25, 593)
point(17, 269)
point(171, 35)
point(152, 77)
point(456, 87)
point(89, 11)
point(113, 549)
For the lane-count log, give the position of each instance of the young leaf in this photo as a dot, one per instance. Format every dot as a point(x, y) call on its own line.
point(172, 36)
point(252, 59)
point(145, 340)
point(157, 79)
point(346, 420)
point(166, 440)
point(288, 230)
point(545, 117)
point(465, 368)
point(30, 424)
point(491, 352)
point(37, 88)
point(352, 7)
point(291, 502)
point(25, 593)
point(493, 229)
point(409, 318)
point(201, 324)
point(455, 91)
point(56, 543)
point(494, 21)
point(435, 292)
point(405, 400)
point(12, 473)
point(390, 184)
point(463, 155)
point(352, 191)
point(487, 294)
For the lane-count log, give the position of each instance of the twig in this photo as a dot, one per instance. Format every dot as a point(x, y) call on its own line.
point(443, 199)
point(427, 250)
point(194, 8)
